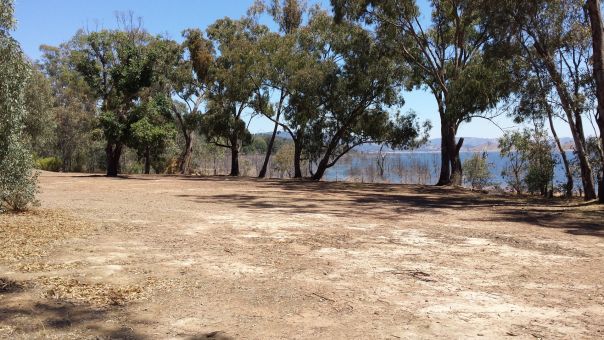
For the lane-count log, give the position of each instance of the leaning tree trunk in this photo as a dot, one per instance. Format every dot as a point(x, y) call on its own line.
point(184, 162)
point(569, 176)
point(321, 168)
point(324, 162)
point(234, 158)
point(269, 151)
point(113, 152)
point(595, 18)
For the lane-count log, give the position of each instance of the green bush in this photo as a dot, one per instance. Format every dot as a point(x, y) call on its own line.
point(18, 182)
point(531, 161)
point(49, 164)
point(284, 160)
point(476, 171)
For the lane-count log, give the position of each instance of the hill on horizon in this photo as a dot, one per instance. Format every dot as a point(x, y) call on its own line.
point(471, 144)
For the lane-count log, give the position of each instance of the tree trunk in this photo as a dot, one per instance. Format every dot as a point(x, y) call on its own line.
point(595, 18)
point(324, 163)
point(234, 160)
point(587, 179)
point(269, 151)
point(451, 172)
point(321, 168)
point(445, 156)
point(184, 161)
point(147, 161)
point(574, 122)
point(297, 159)
point(456, 166)
point(569, 176)
point(113, 152)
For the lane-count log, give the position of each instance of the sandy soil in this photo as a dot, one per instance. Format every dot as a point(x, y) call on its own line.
point(222, 258)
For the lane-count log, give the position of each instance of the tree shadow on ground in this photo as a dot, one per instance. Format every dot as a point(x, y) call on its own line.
point(28, 318)
point(394, 201)
point(211, 336)
point(574, 222)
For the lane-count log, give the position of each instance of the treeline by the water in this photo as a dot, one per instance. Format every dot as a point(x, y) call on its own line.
point(423, 168)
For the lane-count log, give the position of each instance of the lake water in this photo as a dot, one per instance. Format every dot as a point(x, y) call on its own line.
point(416, 168)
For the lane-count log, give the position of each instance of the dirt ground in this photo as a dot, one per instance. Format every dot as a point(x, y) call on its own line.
point(151, 257)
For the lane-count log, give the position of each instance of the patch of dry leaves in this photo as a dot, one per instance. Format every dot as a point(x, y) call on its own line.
point(91, 293)
point(27, 237)
point(31, 234)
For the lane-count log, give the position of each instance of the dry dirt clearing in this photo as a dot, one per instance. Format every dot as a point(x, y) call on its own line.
point(221, 258)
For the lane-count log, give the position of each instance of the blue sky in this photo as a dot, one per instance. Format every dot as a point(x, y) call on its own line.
point(54, 21)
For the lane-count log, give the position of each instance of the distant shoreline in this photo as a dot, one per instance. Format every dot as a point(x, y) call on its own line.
point(430, 151)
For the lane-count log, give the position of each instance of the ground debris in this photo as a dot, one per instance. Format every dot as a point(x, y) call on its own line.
point(92, 293)
point(30, 234)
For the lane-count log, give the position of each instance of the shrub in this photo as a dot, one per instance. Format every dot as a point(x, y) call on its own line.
point(18, 182)
point(540, 175)
point(284, 160)
point(531, 161)
point(49, 164)
point(476, 171)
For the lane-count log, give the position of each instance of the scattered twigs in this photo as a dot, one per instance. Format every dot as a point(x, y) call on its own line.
point(323, 297)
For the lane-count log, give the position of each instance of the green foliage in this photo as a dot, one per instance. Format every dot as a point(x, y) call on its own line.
point(7, 21)
point(476, 171)
point(451, 57)
point(257, 146)
point(224, 128)
point(233, 89)
point(39, 122)
point(595, 154)
point(49, 164)
point(18, 183)
point(76, 139)
point(123, 69)
point(531, 161)
point(284, 160)
point(552, 68)
point(152, 129)
point(348, 100)
point(515, 147)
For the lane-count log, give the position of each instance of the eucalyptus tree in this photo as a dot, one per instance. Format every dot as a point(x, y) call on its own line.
point(359, 85)
point(73, 109)
point(151, 129)
point(190, 82)
point(233, 92)
point(554, 40)
point(117, 66)
point(447, 57)
point(292, 73)
point(535, 103)
point(281, 59)
point(594, 10)
point(39, 121)
point(530, 160)
point(18, 184)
